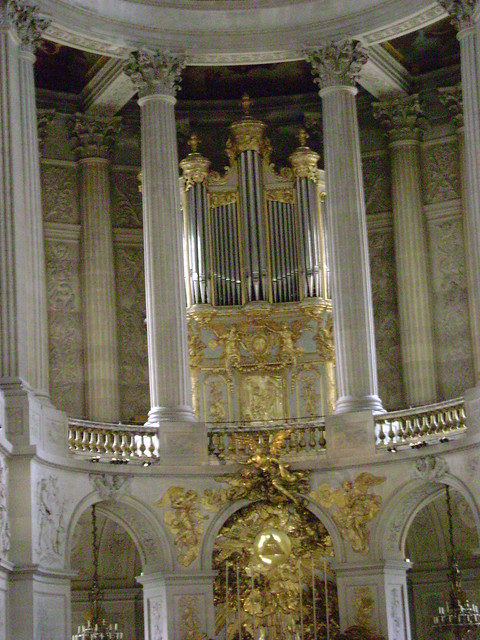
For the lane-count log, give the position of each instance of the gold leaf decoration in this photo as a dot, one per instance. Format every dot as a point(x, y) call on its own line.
point(352, 507)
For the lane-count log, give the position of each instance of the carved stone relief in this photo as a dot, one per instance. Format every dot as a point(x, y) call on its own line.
point(132, 335)
point(48, 626)
point(376, 179)
point(385, 313)
point(396, 614)
point(157, 617)
point(59, 194)
point(441, 173)
point(51, 520)
point(190, 623)
point(65, 326)
point(126, 200)
point(110, 486)
point(4, 526)
point(430, 468)
point(450, 306)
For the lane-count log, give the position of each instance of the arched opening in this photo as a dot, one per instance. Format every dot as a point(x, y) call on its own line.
point(272, 574)
point(427, 546)
point(119, 563)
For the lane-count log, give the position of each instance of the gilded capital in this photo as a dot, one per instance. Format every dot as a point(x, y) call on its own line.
point(451, 98)
point(155, 72)
point(93, 137)
point(337, 63)
point(29, 25)
point(303, 160)
point(402, 117)
point(461, 11)
point(194, 166)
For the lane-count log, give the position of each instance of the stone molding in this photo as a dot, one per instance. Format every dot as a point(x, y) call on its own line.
point(155, 72)
point(337, 63)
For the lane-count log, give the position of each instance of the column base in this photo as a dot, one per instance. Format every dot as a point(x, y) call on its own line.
point(183, 443)
point(353, 404)
point(177, 413)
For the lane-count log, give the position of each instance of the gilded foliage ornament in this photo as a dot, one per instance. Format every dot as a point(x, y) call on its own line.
point(352, 507)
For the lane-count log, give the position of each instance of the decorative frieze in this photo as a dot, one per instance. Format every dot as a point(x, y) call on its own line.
point(337, 63)
point(155, 72)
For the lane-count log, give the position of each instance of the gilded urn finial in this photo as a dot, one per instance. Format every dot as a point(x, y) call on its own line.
point(246, 104)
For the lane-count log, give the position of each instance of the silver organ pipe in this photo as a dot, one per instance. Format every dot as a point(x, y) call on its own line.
point(195, 171)
point(254, 235)
point(311, 249)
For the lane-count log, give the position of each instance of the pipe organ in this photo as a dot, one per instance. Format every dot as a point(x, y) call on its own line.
point(255, 239)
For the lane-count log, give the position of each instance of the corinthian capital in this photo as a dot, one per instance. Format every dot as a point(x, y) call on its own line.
point(157, 72)
point(337, 63)
point(461, 11)
point(93, 137)
point(451, 98)
point(402, 117)
point(25, 18)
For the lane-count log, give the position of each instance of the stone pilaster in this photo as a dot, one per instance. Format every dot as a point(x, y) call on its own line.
point(93, 141)
point(374, 595)
point(156, 76)
point(23, 324)
point(336, 67)
point(402, 118)
point(462, 12)
point(178, 606)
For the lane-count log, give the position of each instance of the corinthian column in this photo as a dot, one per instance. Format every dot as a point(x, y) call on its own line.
point(156, 75)
point(337, 66)
point(93, 142)
point(23, 306)
point(401, 116)
point(462, 12)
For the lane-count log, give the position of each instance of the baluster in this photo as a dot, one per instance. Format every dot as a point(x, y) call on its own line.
point(392, 432)
point(152, 448)
point(117, 444)
point(321, 440)
point(433, 424)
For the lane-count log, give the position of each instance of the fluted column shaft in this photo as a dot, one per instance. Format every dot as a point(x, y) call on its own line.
point(338, 66)
point(401, 117)
point(469, 37)
point(92, 140)
point(170, 388)
point(23, 302)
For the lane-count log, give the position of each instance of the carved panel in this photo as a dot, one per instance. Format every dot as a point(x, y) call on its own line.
point(126, 200)
point(441, 173)
point(47, 623)
point(450, 305)
point(376, 179)
point(4, 526)
point(262, 397)
point(50, 507)
point(132, 334)
point(387, 335)
point(65, 326)
point(59, 194)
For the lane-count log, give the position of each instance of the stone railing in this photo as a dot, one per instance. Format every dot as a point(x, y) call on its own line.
point(119, 443)
point(115, 443)
point(421, 425)
point(288, 437)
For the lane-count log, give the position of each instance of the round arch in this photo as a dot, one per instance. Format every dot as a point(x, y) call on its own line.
point(404, 504)
point(224, 514)
point(146, 532)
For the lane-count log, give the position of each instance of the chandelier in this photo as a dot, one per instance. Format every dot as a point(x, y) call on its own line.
point(96, 627)
point(458, 618)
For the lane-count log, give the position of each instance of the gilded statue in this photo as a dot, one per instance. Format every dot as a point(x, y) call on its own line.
point(352, 507)
point(263, 475)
